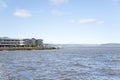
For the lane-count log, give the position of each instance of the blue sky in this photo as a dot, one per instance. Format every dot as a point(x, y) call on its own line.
point(61, 21)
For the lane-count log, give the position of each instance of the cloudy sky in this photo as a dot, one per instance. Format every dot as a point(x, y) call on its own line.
point(61, 21)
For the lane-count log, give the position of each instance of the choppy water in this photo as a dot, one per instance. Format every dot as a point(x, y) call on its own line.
point(78, 63)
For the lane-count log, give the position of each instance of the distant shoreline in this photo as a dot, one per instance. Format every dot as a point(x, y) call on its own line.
point(28, 48)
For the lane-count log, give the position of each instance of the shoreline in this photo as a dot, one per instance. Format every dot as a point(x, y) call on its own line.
point(29, 48)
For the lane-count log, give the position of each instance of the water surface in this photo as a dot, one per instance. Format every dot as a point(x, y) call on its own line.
point(73, 63)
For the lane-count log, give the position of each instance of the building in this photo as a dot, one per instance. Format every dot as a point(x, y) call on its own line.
point(10, 42)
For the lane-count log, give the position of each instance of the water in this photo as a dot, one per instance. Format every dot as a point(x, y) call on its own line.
point(75, 63)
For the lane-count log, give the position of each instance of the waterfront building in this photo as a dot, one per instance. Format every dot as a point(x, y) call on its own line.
point(11, 42)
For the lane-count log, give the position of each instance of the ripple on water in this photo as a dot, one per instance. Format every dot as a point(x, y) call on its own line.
point(65, 64)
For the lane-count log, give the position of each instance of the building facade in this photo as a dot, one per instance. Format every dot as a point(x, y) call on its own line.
point(10, 42)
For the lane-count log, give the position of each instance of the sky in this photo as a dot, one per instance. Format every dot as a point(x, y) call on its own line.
point(61, 21)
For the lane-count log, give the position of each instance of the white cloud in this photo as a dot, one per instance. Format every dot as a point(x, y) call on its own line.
point(100, 22)
point(22, 13)
point(72, 21)
point(57, 2)
point(57, 13)
point(38, 11)
point(41, 11)
point(3, 5)
point(90, 21)
point(86, 21)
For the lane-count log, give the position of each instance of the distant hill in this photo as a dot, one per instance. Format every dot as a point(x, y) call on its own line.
point(86, 45)
point(111, 44)
point(78, 45)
